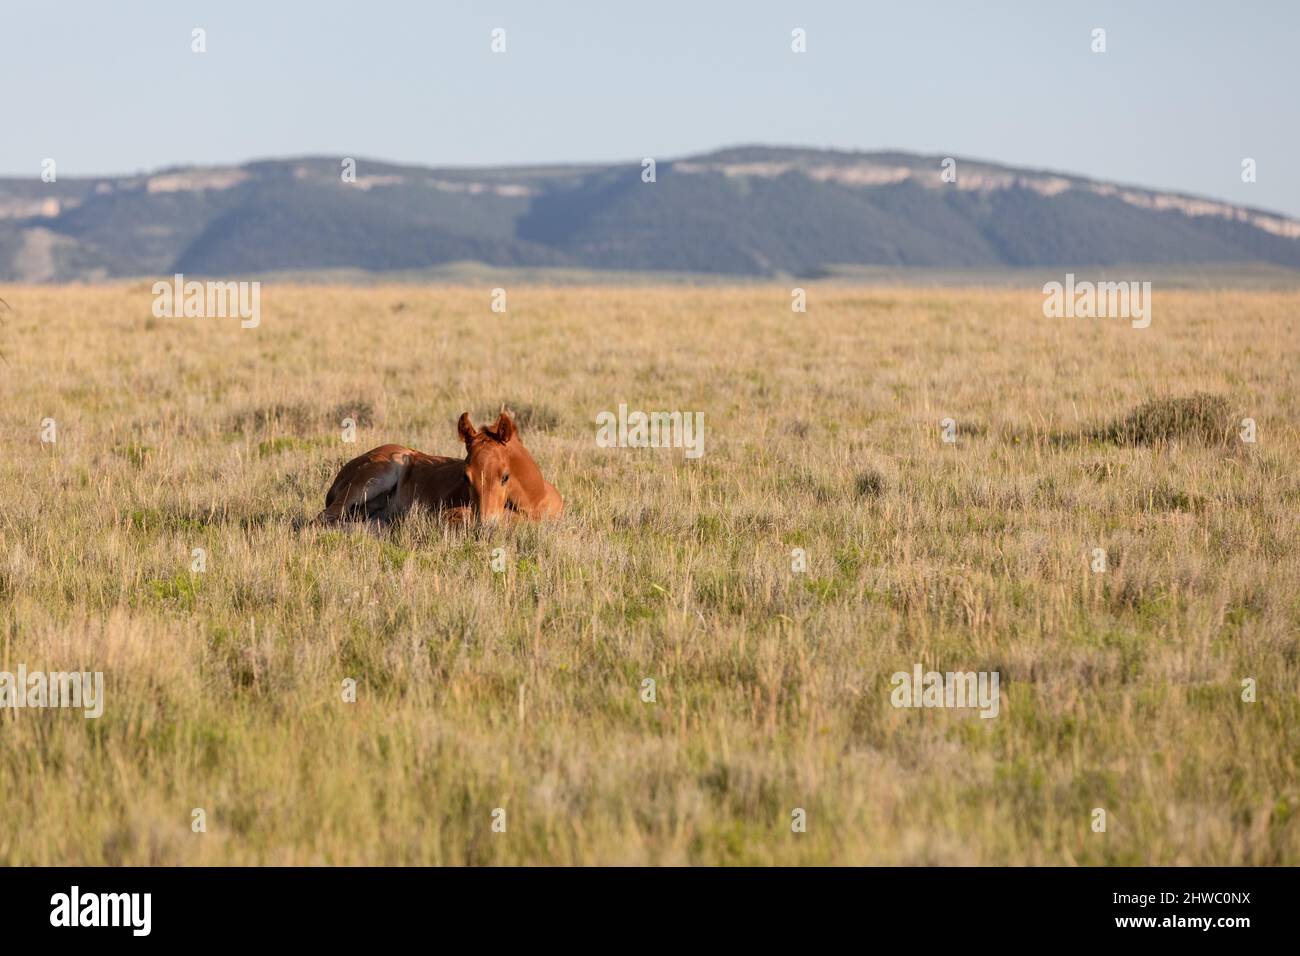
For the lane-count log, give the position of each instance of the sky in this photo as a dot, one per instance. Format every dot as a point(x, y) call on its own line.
point(1182, 94)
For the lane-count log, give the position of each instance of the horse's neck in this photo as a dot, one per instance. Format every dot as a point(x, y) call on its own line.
point(530, 486)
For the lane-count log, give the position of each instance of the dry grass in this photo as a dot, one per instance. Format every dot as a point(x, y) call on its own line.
point(1198, 417)
point(521, 690)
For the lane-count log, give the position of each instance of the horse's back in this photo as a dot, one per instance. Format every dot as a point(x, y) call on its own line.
point(366, 487)
point(367, 466)
point(384, 482)
point(436, 483)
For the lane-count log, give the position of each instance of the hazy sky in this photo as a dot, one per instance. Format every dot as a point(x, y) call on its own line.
point(1184, 91)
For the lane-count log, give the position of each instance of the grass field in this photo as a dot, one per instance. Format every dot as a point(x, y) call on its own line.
point(522, 690)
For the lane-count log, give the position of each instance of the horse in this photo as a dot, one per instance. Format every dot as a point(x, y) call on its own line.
point(497, 479)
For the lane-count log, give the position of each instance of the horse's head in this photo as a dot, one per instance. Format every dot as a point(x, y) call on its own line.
point(487, 463)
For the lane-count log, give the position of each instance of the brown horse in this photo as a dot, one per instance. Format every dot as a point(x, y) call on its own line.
point(497, 478)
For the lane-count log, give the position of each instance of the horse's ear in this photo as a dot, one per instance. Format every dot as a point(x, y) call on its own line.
point(504, 429)
point(466, 428)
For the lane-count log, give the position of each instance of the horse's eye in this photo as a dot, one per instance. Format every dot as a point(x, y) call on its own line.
point(505, 477)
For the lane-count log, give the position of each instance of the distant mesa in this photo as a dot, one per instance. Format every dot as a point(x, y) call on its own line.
point(751, 211)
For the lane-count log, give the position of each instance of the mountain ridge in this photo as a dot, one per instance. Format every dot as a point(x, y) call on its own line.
point(756, 211)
